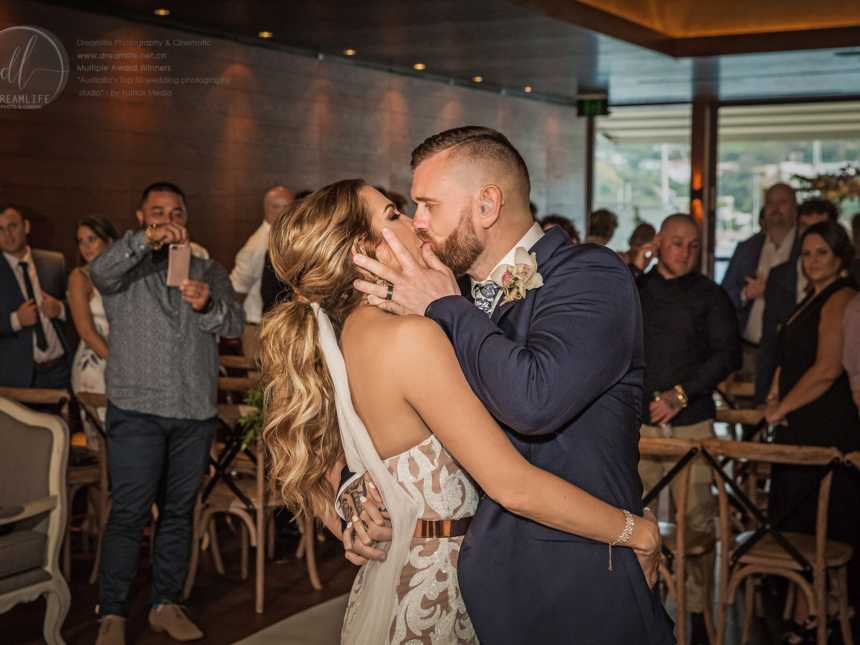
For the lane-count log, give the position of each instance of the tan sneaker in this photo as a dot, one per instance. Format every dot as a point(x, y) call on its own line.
point(111, 631)
point(171, 618)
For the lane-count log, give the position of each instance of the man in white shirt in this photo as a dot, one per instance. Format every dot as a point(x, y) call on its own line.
point(32, 288)
point(746, 278)
point(248, 271)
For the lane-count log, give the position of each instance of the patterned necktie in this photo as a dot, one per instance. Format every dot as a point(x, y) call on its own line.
point(485, 295)
point(41, 340)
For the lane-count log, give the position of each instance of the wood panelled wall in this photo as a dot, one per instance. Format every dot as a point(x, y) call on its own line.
point(272, 117)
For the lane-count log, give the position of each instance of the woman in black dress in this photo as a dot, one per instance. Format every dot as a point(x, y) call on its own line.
point(812, 395)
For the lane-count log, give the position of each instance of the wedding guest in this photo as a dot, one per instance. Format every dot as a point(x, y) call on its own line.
point(746, 276)
point(812, 393)
point(691, 345)
point(851, 351)
point(247, 273)
point(786, 287)
point(32, 288)
point(162, 380)
point(197, 250)
point(601, 227)
point(94, 234)
point(548, 221)
point(642, 249)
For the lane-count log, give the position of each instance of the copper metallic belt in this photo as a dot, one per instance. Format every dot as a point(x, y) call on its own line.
point(441, 528)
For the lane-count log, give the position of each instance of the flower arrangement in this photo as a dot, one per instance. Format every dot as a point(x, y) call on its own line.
point(836, 187)
point(516, 280)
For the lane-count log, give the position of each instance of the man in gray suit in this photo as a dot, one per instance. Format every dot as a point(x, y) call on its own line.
point(32, 290)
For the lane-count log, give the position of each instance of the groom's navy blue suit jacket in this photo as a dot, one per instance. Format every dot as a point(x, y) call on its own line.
point(562, 371)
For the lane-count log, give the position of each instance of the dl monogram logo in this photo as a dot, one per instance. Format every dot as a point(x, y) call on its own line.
point(34, 67)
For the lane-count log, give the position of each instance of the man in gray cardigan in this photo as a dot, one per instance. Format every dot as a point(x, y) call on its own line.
point(162, 379)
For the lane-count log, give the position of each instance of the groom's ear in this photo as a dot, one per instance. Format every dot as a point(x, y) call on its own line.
point(490, 202)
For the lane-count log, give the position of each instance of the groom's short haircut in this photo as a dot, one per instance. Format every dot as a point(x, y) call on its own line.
point(476, 142)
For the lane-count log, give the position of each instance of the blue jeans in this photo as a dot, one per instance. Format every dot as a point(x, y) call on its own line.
point(150, 459)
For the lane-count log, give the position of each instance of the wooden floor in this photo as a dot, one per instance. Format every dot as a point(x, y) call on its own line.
point(223, 607)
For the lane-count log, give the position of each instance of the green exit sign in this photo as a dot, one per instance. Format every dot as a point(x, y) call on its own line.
point(592, 107)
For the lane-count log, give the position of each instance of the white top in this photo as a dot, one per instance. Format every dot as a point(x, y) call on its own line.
point(55, 347)
point(198, 251)
point(527, 241)
point(248, 273)
point(771, 256)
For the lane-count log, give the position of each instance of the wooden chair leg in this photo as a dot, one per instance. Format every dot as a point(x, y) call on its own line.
point(310, 555)
point(844, 618)
point(245, 540)
point(104, 512)
point(749, 607)
point(820, 609)
point(216, 551)
point(790, 597)
point(270, 540)
point(196, 535)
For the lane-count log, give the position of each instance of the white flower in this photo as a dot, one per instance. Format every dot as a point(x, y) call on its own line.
point(520, 278)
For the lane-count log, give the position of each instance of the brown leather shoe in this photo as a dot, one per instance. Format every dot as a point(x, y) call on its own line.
point(111, 631)
point(172, 619)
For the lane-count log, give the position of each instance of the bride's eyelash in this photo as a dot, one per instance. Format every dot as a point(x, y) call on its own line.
point(395, 215)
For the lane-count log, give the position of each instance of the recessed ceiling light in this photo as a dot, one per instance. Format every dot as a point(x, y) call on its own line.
point(478, 79)
point(528, 89)
point(162, 12)
point(349, 52)
point(419, 66)
point(265, 34)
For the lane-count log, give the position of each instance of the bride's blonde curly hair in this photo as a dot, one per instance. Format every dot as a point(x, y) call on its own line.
point(311, 246)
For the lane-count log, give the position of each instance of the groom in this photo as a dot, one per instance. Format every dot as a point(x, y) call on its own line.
point(561, 370)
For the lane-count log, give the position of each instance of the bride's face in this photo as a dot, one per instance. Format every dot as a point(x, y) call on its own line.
point(383, 214)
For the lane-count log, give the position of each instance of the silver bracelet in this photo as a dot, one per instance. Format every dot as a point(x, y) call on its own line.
point(626, 534)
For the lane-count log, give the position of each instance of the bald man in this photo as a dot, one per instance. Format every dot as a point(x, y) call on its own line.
point(691, 344)
point(247, 274)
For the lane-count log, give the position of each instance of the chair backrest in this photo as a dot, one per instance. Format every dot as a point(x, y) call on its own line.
point(770, 453)
point(33, 464)
point(238, 362)
point(853, 458)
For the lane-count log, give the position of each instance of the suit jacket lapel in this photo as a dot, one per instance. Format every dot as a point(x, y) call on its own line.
point(11, 283)
point(544, 248)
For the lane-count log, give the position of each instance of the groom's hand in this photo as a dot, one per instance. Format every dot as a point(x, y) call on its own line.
point(415, 286)
point(369, 524)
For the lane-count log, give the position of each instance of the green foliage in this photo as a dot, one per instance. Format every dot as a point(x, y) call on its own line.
point(252, 423)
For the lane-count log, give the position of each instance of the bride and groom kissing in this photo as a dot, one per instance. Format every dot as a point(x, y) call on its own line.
point(500, 427)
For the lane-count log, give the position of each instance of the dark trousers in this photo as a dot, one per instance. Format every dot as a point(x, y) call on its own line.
point(150, 459)
point(57, 376)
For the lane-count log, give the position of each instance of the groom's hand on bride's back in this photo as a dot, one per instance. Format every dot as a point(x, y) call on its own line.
point(414, 287)
point(369, 524)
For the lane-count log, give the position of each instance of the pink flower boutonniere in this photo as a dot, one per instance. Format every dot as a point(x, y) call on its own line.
point(516, 280)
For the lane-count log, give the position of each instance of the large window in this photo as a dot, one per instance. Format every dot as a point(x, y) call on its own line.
point(762, 145)
point(642, 166)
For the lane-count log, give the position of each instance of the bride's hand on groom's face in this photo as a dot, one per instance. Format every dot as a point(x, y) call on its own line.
point(414, 287)
point(650, 552)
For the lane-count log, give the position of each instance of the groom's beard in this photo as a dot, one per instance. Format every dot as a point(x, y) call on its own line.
point(460, 249)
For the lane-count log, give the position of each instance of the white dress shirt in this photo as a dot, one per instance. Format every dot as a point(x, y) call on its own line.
point(55, 347)
point(771, 256)
point(248, 273)
point(527, 241)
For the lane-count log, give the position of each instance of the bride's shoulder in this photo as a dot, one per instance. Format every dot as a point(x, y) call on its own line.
point(400, 335)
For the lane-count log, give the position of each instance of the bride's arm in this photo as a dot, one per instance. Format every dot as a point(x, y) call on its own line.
point(434, 385)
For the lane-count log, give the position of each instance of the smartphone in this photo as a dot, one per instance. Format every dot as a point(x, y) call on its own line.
point(178, 263)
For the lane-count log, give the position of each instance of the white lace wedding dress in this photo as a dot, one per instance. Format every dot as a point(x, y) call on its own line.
point(429, 606)
point(413, 597)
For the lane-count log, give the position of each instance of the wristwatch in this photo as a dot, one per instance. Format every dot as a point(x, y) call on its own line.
point(682, 395)
point(153, 243)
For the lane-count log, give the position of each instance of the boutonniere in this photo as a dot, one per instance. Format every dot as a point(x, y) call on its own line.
point(516, 280)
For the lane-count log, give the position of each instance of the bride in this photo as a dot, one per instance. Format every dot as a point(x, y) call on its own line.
point(346, 379)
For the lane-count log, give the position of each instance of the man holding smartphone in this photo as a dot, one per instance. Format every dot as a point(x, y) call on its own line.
point(162, 379)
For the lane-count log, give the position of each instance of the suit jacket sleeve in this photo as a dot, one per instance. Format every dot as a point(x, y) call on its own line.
point(734, 280)
point(582, 335)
